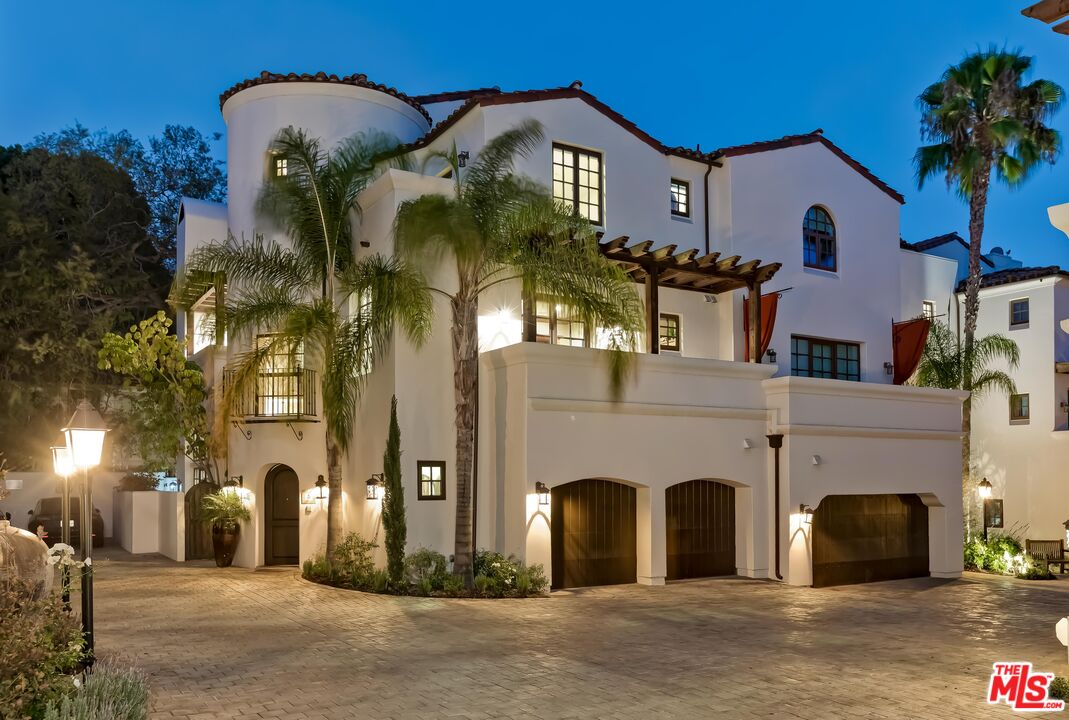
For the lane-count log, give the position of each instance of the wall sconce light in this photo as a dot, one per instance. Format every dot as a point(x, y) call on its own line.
point(771, 356)
point(984, 488)
point(376, 486)
point(543, 493)
point(746, 444)
point(889, 368)
point(462, 158)
point(816, 460)
point(237, 481)
point(321, 488)
point(806, 513)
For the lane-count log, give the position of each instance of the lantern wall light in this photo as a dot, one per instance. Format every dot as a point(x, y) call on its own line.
point(806, 513)
point(542, 490)
point(984, 488)
point(376, 486)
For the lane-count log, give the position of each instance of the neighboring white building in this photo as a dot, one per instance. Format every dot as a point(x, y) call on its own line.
point(678, 478)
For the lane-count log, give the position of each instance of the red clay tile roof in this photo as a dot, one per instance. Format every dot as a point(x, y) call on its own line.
point(485, 98)
point(1015, 275)
point(451, 95)
point(359, 80)
point(817, 136)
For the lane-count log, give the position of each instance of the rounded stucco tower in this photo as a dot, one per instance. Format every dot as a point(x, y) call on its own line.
point(328, 107)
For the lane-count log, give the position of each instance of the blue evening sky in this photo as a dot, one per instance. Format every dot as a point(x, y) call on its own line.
point(714, 73)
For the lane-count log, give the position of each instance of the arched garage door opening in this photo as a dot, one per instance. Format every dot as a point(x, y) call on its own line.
point(866, 538)
point(700, 527)
point(593, 534)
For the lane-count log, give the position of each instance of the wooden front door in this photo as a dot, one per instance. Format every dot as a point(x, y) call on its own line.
point(865, 538)
point(198, 533)
point(593, 534)
point(700, 527)
point(282, 507)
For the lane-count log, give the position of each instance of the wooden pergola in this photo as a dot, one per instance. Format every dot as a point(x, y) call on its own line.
point(1050, 11)
point(709, 274)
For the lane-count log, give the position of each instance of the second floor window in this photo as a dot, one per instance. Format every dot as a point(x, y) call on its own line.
point(680, 197)
point(1019, 409)
point(818, 240)
point(281, 167)
point(1019, 312)
point(811, 357)
point(577, 181)
point(431, 480)
point(557, 325)
point(669, 332)
point(278, 386)
point(928, 310)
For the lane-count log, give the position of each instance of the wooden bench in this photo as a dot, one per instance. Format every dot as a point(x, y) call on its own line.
point(1052, 552)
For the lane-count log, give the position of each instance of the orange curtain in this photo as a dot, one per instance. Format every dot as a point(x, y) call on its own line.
point(908, 339)
point(769, 303)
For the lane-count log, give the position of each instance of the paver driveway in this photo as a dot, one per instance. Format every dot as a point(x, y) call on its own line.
point(239, 644)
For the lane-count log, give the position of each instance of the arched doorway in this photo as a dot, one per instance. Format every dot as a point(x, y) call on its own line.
point(865, 538)
point(593, 533)
point(700, 529)
point(198, 532)
point(282, 506)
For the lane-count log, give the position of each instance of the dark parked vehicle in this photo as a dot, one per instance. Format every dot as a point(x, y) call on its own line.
point(49, 514)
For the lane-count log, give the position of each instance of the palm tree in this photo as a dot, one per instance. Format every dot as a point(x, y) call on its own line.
point(981, 117)
point(502, 228)
point(314, 297)
point(948, 364)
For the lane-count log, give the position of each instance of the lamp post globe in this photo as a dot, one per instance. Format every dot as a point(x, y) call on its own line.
point(984, 488)
point(85, 433)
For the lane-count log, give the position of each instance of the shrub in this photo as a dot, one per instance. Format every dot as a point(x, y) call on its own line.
point(1037, 571)
point(506, 576)
point(352, 561)
point(425, 567)
point(41, 645)
point(138, 481)
point(109, 691)
point(393, 504)
point(1001, 554)
point(224, 509)
point(1059, 688)
point(316, 569)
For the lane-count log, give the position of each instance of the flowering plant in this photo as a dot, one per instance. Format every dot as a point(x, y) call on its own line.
point(62, 554)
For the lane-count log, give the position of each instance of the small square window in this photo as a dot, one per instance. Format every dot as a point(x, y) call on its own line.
point(1019, 312)
point(1019, 407)
point(928, 309)
point(679, 191)
point(669, 332)
point(431, 478)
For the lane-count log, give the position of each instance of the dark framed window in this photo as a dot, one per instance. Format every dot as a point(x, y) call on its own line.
point(1019, 409)
point(812, 357)
point(431, 479)
point(279, 382)
point(818, 240)
point(577, 180)
point(680, 194)
point(557, 325)
point(928, 309)
point(668, 326)
point(1019, 312)
point(993, 513)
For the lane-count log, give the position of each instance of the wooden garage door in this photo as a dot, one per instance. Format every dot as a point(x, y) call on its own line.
point(865, 538)
point(593, 534)
point(700, 518)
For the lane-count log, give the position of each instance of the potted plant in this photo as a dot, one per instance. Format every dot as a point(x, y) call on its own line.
point(224, 510)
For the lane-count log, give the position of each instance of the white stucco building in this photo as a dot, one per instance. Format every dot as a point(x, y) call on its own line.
point(679, 478)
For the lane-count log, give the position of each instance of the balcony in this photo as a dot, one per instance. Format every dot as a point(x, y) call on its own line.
point(288, 395)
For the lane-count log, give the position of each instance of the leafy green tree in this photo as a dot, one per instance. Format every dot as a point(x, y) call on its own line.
point(314, 293)
point(177, 163)
point(949, 364)
point(393, 503)
point(76, 263)
point(502, 228)
point(982, 117)
point(164, 415)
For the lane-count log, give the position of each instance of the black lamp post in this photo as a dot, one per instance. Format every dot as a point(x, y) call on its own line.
point(63, 466)
point(984, 489)
point(85, 438)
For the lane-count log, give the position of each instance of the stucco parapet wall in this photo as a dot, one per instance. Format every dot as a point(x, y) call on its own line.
point(845, 388)
point(560, 355)
point(311, 89)
point(404, 181)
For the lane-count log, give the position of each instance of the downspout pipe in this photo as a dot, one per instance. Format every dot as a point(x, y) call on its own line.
point(711, 162)
point(776, 442)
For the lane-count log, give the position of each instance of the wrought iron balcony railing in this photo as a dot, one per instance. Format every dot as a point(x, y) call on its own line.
point(285, 395)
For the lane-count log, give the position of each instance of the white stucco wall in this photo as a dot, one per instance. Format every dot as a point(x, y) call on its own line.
point(926, 277)
point(38, 485)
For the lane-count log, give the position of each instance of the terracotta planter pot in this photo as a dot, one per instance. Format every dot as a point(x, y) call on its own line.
point(225, 543)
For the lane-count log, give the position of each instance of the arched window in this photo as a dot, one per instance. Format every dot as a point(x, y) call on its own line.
point(818, 240)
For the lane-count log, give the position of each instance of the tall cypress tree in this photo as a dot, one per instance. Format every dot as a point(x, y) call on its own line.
point(393, 503)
